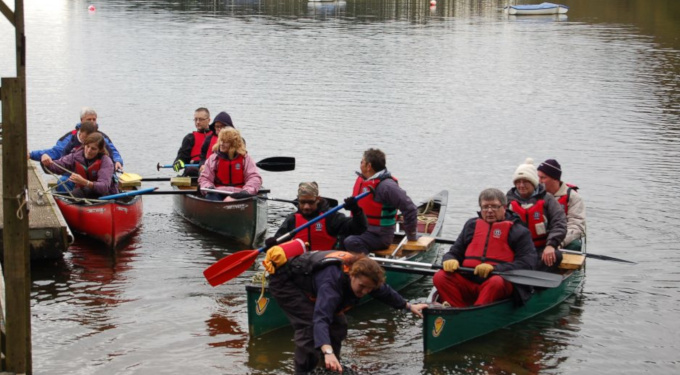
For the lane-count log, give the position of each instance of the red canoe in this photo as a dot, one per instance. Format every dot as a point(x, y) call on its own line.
point(110, 222)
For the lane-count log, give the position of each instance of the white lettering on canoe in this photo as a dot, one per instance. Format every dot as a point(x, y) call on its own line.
point(94, 210)
point(236, 207)
point(124, 209)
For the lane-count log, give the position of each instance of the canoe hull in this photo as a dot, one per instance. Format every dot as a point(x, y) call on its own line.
point(444, 327)
point(265, 315)
point(109, 222)
point(244, 220)
point(538, 9)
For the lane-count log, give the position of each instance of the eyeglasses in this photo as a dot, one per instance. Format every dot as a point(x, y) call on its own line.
point(196, 119)
point(491, 207)
point(306, 201)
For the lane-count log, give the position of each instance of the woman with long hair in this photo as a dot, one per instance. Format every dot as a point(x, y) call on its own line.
point(230, 169)
point(91, 168)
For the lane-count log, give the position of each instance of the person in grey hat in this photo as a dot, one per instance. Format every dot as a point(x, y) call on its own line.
point(328, 233)
point(540, 212)
point(550, 174)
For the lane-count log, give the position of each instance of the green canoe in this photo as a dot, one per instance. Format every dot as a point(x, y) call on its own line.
point(444, 327)
point(243, 220)
point(265, 315)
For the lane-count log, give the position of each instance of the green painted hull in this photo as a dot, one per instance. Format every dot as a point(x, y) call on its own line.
point(265, 315)
point(244, 221)
point(444, 327)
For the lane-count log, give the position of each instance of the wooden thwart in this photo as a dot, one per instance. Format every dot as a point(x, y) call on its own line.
point(572, 261)
point(180, 181)
point(422, 244)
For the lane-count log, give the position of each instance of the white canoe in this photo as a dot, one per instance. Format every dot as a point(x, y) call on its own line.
point(534, 9)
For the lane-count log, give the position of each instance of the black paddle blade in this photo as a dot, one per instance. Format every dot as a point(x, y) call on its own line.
point(605, 257)
point(531, 277)
point(277, 164)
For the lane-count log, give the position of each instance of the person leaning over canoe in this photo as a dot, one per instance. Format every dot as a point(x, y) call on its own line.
point(190, 150)
point(92, 167)
point(540, 212)
point(328, 233)
point(230, 168)
point(495, 240)
point(86, 114)
point(316, 288)
point(549, 174)
point(381, 206)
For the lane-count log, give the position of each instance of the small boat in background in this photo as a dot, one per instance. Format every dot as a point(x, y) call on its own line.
point(536, 9)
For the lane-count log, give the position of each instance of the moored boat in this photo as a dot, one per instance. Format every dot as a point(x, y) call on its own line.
point(265, 315)
point(110, 221)
point(243, 220)
point(536, 9)
point(444, 326)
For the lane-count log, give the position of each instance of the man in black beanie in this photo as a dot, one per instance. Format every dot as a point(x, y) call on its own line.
point(550, 175)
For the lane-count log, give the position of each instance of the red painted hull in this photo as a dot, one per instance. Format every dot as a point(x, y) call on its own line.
point(109, 222)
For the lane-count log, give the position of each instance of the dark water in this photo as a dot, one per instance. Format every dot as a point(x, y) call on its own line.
point(457, 96)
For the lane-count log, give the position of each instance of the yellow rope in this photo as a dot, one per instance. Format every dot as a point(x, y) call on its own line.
point(427, 220)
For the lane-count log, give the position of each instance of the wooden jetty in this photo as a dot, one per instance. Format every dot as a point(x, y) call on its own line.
point(48, 234)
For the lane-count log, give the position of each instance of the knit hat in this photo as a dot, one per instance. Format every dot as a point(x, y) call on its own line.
point(308, 188)
point(551, 168)
point(526, 171)
point(222, 117)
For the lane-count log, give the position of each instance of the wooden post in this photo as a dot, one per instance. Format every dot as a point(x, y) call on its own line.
point(15, 211)
point(15, 204)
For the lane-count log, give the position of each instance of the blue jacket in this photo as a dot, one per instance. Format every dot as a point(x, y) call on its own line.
point(57, 151)
point(334, 294)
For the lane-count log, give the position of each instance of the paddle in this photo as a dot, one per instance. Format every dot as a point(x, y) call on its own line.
point(128, 194)
point(522, 277)
point(272, 164)
point(233, 265)
point(596, 256)
point(588, 255)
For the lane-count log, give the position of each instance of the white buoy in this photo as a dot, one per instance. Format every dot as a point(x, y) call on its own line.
point(433, 2)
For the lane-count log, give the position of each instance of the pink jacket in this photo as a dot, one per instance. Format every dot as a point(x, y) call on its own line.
point(250, 173)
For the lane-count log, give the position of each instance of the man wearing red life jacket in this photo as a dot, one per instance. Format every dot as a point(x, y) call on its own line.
point(496, 240)
point(328, 233)
point(540, 212)
point(381, 206)
point(549, 174)
point(190, 151)
point(314, 290)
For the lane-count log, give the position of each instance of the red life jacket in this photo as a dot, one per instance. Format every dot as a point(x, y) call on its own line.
point(89, 173)
point(199, 138)
point(230, 172)
point(378, 214)
point(315, 235)
point(489, 244)
point(564, 200)
point(533, 217)
point(213, 140)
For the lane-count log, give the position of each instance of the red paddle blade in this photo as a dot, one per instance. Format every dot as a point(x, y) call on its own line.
point(230, 266)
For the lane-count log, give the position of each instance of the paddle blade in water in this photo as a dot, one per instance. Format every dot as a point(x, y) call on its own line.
point(230, 266)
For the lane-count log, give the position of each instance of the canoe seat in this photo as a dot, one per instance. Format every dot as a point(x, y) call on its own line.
point(572, 261)
point(180, 181)
point(422, 244)
point(128, 184)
